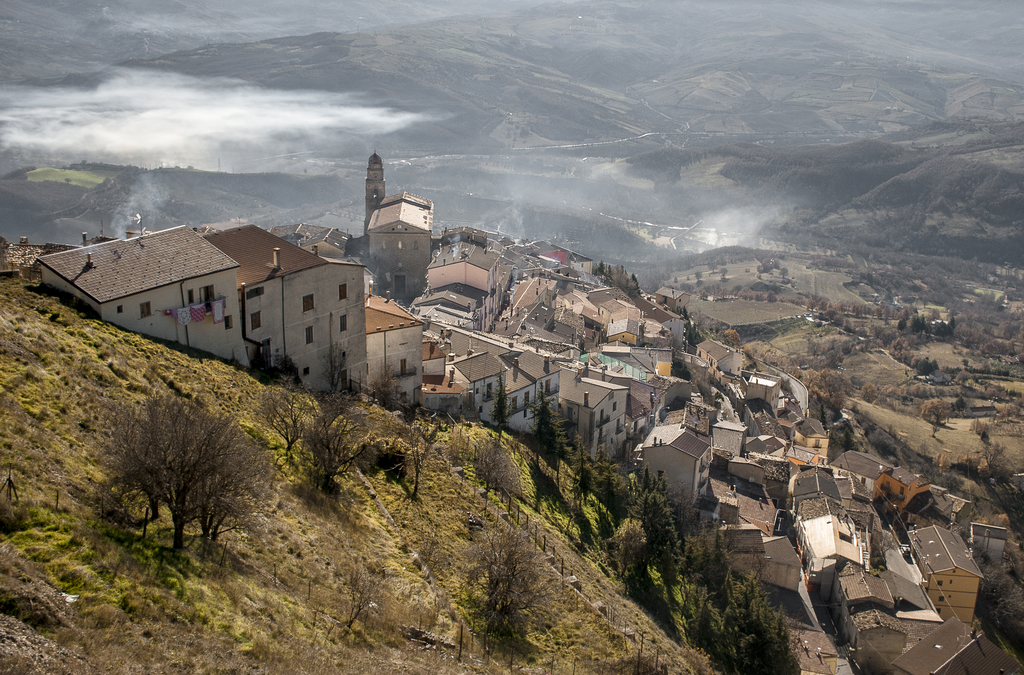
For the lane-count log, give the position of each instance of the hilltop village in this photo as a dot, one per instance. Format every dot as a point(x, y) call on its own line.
point(475, 326)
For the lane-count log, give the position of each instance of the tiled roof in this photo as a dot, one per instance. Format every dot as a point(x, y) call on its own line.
point(628, 326)
point(692, 443)
point(432, 350)
point(758, 513)
point(440, 384)
point(715, 349)
point(673, 293)
point(873, 618)
point(980, 657)
point(780, 550)
point(810, 427)
point(812, 648)
point(122, 268)
point(904, 591)
point(862, 587)
point(744, 540)
point(941, 550)
point(936, 649)
point(479, 367)
point(638, 403)
point(774, 468)
point(816, 481)
point(862, 464)
point(653, 311)
point(467, 253)
point(817, 507)
point(571, 389)
point(383, 315)
point(903, 476)
point(253, 248)
point(403, 208)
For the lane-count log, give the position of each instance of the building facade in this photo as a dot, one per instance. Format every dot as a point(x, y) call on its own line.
point(394, 339)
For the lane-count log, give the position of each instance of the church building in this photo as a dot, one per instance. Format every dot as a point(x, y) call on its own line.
point(397, 230)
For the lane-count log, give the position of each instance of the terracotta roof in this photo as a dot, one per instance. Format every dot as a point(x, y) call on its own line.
point(638, 403)
point(253, 248)
point(758, 513)
point(862, 464)
point(432, 351)
point(383, 315)
point(440, 384)
point(940, 550)
point(401, 209)
point(673, 293)
point(122, 268)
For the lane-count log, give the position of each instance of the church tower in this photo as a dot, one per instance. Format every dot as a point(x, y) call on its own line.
point(374, 187)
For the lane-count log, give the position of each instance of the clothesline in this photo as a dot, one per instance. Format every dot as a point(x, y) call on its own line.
point(188, 314)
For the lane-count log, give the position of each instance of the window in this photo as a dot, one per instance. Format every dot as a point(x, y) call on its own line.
point(309, 335)
point(307, 302)
point(615, 405)
point(940, 582)
point(526, 398)
point(255, 320)
point(547, 386)
point(416, 245)
point(343, 324)
point(399, 244)
point(191, 297)
point(942, 598)
point(901, 489)
point(402, 367)
point(253, 293)
point(206, 294)
point(343, 292)
point(515, 402)
point(120, 309)
point(305, 371)
point(144, 310)
point(227, 322)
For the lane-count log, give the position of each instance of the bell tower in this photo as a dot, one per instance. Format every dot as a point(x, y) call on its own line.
point(374, 187)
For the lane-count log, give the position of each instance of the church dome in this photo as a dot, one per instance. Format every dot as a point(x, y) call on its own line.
point(375, 160)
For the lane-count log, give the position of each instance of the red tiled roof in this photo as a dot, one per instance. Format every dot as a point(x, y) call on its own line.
point(253, 249)
point(383, 315)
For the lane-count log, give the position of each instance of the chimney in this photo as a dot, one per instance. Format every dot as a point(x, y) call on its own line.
point(451, 357)
point(586, 399)
point(85, 238)
point(316, 250)
point(451, 376)
point(24, 241)
point(547, 359)
point(389, 297)
point(515, 362)
point(88, 259)
point(277, 258)
point(371, 288)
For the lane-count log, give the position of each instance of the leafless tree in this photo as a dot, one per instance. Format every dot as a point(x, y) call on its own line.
point(285, 410)
point(362, 591)
point(384, 386)
point(335, 366)
point(179, 454)
point(495, 467)
point(328, 444)
point(630, 544)
point(509, 570)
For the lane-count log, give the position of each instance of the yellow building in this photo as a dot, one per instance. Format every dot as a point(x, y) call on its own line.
point(896, 486)
point(810, 434)
point(951, 575)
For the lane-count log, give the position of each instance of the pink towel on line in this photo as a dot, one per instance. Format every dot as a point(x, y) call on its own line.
point(198, 311)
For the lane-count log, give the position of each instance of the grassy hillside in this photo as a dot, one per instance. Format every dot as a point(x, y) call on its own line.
point(276, 597)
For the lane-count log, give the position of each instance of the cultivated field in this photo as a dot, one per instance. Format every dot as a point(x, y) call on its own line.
point(86, 179)
point(742, 312)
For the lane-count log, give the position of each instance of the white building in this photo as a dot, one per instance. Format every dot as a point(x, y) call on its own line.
point(170, 284)
point(595, 411)
point(298, 306)
point(394, 338)
point(527, 375)
point(682, 455)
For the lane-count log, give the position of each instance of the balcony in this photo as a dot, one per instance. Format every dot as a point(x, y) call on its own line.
point(409, 372)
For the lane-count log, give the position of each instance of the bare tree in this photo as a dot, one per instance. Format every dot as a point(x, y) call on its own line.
point(362, 591)
point(328, 447)
point(495, 467)
point(384, 386)
point(335, 366)
point(179, 454)
point(285, 410)
point(509, 570)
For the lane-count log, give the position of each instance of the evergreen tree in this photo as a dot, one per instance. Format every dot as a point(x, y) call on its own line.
point(584, 474)
point(549, 432)
point(650, 506)
point(500, 409)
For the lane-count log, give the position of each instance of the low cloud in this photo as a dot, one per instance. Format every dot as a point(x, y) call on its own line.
point(164, 118)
